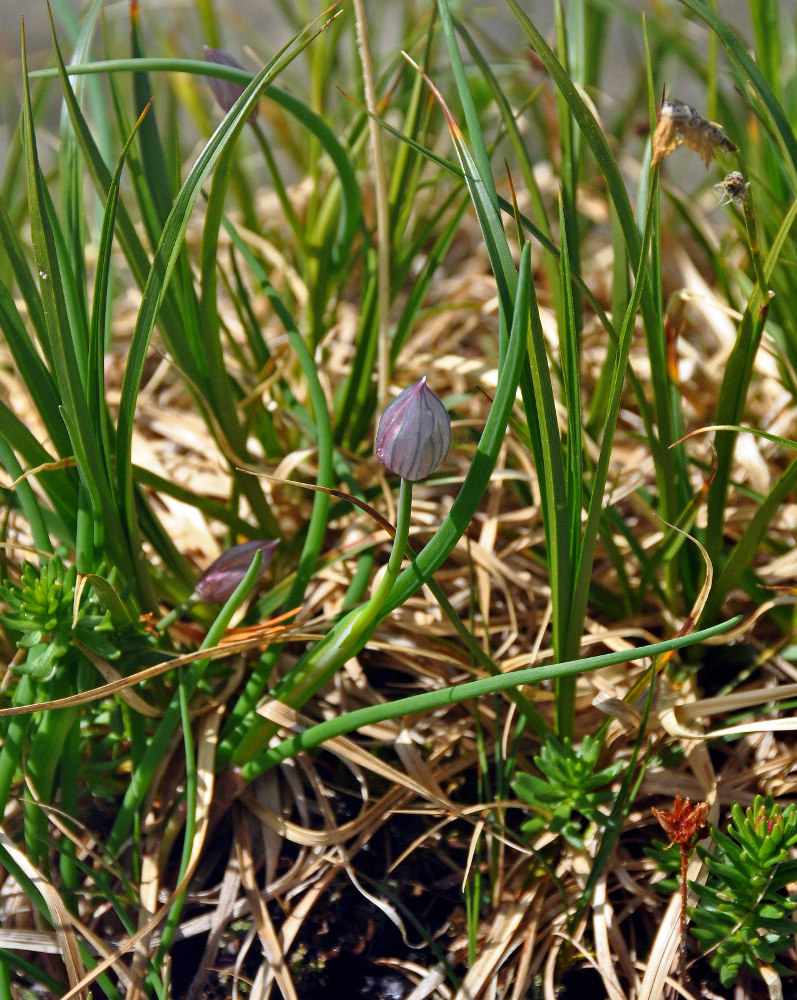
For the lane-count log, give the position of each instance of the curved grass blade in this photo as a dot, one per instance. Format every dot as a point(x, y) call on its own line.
point(428, 701)
point(351, 212)
point(66, 366)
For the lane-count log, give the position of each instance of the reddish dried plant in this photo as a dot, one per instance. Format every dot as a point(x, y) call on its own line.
point(682, 826)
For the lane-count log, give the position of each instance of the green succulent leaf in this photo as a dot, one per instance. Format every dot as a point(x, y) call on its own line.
point(569, 795)
point(743, 918)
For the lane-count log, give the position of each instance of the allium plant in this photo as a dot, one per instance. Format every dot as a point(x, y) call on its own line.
point(569, 796)
point(414, 433)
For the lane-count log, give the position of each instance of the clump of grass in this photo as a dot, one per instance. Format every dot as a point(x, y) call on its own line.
point(201, 326)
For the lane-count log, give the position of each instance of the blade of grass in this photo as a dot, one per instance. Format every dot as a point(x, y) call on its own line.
point(734, 388)
point(316, 528)
point(557, 499)
point(670, 464)
point(165, 259)
point(71, 389)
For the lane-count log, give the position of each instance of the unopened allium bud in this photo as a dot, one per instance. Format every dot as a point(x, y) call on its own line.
point(220, 579)
point(414, 433)
point(225, 91)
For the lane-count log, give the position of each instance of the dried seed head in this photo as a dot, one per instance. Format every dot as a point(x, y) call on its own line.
point(684, 822)
point(681, 123)
point(225, 91)
point(732, 189)
point(414, 433)
point(220, 579)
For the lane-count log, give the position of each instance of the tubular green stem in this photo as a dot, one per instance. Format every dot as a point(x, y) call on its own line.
point(320, 664)
point(323, 731)
point(752, 239)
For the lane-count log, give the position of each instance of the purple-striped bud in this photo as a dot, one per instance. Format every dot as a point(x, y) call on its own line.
point(221, 578)
point(414, 433)
point(225, 91)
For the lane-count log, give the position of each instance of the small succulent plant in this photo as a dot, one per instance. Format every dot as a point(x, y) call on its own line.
point(745, 915)
point(41, 614)
point(569, 796)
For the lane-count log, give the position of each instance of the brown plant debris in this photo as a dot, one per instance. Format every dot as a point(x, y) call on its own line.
point(682, 826)
point(680, 123)
point(732, 189)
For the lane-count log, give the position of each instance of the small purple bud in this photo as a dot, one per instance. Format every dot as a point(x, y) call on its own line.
point(221, 578)
point(225, 91)
point(414, 433)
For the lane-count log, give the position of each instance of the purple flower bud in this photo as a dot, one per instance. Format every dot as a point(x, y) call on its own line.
point(414, 433)
point(225, 91)
point(221, 578)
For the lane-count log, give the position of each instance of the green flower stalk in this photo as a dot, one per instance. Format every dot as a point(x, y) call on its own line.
point(412, 439)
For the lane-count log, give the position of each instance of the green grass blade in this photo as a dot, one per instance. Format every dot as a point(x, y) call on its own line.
point(165, 259)
point(23, 490)
point(95, 382)
point(583, 573)
point(34, 373)
point(14, 253)
point(669, 463)
point(464, 507)
point(156, 176)
point(316, 528)
point(556, 501)
point(735, 384)
point(481, 156)
point(70, 171)
point(65, 360)
point(743, 553)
